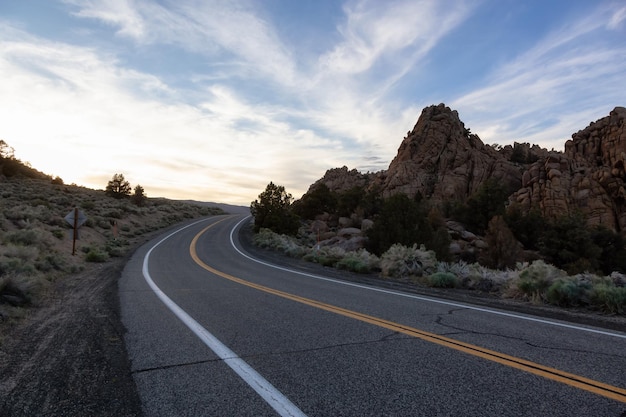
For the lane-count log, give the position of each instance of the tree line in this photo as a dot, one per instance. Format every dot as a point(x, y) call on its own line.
point(513, 235)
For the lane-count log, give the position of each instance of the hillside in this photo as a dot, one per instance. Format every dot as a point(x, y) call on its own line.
point(62, 346)
point(37, 242)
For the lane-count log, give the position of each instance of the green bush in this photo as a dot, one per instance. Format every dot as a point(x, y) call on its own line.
point(442, 280)
point(569, 292)
point(326, 255)
point(535, 279)
point(282, 243)
point(360, 261)
point(609, 298)
point(58, 233)
point(115, 247)
point(20, 291)
point(24, 237)
point(51, 262)
point(96, 255)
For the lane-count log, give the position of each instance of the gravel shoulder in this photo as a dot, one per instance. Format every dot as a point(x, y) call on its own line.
point(68, 358)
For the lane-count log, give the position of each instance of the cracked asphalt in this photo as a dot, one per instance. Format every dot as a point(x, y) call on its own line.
point(70, 358)
point(332, 364)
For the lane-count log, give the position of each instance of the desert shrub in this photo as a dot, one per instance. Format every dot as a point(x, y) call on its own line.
point(16, 266)
point(442, 280)
point(461, 269)
point(96, 255)
point(535, 279)
point(24, 253)
point(114, 214)
point(115, 247)
point(58, 233)
point(266, 238)
point(360, 261)
point(609, 298)
point(618, 279)
point(51, 262)
point(569, 292)
point(481, 278)
point(20, 291)
point(24, 237)
point(88, 205)
point(326, 255)
point(38, 201)
point(19, 212)
point(403, 261)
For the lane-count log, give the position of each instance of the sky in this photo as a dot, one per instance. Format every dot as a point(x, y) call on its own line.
point(211, 100)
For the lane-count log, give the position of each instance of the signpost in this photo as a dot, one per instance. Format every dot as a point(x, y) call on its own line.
point(76, 219)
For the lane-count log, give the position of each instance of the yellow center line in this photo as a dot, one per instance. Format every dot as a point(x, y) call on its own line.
point(596, 387)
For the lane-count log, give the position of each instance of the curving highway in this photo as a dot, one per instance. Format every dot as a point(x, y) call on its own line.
point(212, 331)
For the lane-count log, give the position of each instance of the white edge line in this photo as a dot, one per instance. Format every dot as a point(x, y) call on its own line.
point(281, 404)
point(417, 297)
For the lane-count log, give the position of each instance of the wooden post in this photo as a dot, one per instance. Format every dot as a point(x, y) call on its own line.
point(75, 230)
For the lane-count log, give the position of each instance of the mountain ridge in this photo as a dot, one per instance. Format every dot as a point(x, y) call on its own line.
point(441, 160)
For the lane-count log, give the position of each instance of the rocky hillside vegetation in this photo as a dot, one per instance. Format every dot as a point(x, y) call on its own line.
point(450, 208)
point(36, 242)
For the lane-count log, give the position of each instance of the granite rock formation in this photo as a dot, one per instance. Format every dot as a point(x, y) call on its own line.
point(588, 177)
point(441, 159)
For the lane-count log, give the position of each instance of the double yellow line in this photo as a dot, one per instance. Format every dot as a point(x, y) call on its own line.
point(596, 387)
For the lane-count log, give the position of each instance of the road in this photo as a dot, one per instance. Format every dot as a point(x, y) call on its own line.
point(212, 331)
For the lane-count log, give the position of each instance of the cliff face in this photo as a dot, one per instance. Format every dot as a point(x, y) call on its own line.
point(443, 161)
point(589, 177)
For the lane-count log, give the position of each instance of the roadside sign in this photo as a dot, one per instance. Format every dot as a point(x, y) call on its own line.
point(76, 218)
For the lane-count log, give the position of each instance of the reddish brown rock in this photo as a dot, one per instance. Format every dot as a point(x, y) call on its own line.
point(589, 177)
point(443, 161)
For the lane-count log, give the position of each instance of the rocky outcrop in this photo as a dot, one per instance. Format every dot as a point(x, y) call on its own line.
point(443, 161)
point(341, 179)
point(589, 177)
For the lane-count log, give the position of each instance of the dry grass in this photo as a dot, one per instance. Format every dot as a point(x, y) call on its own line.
point(36, 242)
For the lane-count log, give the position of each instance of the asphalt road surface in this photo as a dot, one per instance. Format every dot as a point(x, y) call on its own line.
point(212, 331)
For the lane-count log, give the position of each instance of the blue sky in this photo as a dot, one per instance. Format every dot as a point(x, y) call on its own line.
point(212, 100)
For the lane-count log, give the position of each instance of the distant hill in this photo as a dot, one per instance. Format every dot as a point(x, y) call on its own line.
point(228, 208)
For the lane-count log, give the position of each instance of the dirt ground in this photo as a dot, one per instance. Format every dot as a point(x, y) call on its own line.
point(68, 357)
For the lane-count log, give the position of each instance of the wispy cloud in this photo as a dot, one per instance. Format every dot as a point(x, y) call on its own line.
point(566, 79)
point(87, 112)
point(217, 29)
point(251, 107)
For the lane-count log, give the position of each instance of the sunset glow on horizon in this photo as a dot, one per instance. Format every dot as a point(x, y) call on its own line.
point(212, 100)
